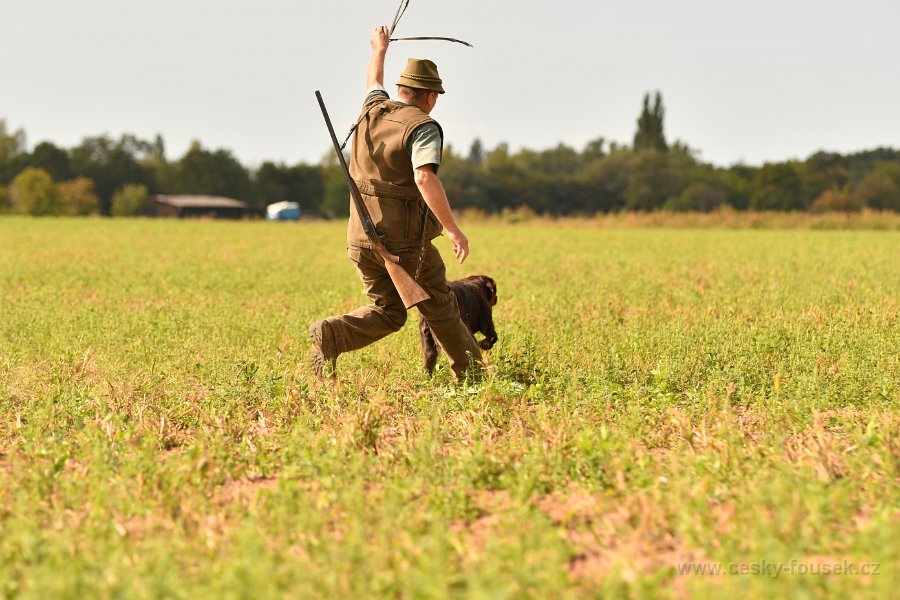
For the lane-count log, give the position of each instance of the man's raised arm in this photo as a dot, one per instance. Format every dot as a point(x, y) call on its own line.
point(379, 42)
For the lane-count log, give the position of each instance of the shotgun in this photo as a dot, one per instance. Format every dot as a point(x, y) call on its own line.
point(411, 293)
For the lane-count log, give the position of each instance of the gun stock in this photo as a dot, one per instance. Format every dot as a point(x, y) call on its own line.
point(411, 293)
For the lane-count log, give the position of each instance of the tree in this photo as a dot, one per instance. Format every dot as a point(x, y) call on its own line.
point(52, 159)
point(650, 134)
point(605, 181)
point(335, 195)
point(880, 189)
point(593, 150)
point(463, 179)
point(34, 193)
point(821, 172)
point(77, 197)
point(561, 160)
point(213, 173)
point(476, 152)
point(653, 179)
point(736, 182)
point(12, 144)
point(301, 183)
point(861, 164)
point(130, 200)
point(158, 171)
point(272, 183)
point(509, 182)
point(776, 186)
point(697, 197)
point(111, 164)
point(5, 205)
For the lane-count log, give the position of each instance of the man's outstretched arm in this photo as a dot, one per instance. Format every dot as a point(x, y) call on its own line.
point(379, 42)
point(436, 198)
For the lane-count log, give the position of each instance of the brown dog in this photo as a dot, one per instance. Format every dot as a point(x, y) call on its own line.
point(476, 295)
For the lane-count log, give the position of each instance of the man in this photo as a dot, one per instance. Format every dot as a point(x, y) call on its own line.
point(395, 157)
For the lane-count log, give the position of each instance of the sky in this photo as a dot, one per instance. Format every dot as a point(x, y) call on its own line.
point(747, 82)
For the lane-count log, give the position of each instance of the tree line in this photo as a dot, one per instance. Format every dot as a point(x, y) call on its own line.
point(110, 176)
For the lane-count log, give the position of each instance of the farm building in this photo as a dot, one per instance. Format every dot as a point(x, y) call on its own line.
point(283, 211)
point(215, 207)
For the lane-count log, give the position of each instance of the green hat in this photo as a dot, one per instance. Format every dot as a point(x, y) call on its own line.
point(421, 74)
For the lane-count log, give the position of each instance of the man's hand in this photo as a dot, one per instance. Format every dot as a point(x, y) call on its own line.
point(380, 39)
point(460, 244)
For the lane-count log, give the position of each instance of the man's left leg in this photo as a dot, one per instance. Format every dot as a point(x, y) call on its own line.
point(335, 335)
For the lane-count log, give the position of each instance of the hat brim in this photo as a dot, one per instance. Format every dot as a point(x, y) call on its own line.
point(432, 86)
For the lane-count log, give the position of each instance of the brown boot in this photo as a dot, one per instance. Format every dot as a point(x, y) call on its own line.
point(473, 372)
point(324, 350)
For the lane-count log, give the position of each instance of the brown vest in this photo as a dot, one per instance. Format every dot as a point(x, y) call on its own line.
point(382, 169)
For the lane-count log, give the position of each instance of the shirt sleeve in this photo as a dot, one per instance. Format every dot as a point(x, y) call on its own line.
point(424, 146)
point(376, 91)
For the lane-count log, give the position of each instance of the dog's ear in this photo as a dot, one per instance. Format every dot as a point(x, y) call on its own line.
point(490, 287)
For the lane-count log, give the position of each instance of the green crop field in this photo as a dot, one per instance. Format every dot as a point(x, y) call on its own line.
point(662, 403)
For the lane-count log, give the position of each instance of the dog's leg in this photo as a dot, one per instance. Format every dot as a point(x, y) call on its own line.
point(490, 334)
point(430, 348)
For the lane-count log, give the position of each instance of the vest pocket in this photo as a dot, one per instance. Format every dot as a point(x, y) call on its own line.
point(391, 216)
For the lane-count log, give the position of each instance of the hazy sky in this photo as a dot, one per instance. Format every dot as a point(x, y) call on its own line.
point(741, 81)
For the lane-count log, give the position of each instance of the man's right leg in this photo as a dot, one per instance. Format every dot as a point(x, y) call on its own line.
point(370, 323)
point(442, 313)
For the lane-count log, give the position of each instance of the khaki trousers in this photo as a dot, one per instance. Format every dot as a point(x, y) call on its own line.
point(387, 314)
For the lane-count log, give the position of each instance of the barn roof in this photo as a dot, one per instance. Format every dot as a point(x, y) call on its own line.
point(200, 201)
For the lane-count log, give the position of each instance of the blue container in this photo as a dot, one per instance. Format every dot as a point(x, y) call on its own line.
point(283, 211)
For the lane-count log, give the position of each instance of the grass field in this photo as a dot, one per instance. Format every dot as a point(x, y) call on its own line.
point(659, 398)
